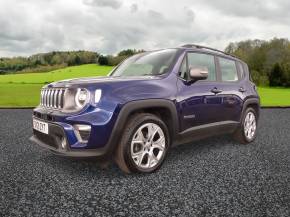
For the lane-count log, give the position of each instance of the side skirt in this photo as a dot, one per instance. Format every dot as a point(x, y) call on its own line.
point(206, 130)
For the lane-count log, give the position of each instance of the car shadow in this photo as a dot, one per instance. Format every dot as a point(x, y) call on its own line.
point(97, 168)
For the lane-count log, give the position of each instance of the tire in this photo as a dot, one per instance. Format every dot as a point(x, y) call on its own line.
point(136, 152)
point(243, 135)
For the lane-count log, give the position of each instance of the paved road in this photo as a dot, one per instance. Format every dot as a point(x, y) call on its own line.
point(213, 177)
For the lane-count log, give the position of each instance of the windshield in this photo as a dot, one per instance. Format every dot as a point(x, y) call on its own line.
point(149, 63)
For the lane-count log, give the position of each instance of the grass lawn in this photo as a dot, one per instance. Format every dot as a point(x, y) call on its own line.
point(19, 95)
point(21, 90)
point(87, 70)
point(274, 96)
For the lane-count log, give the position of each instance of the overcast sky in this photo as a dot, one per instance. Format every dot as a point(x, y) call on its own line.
point(107, 26)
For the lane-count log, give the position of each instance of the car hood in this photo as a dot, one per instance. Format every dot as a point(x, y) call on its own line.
point(123, 89)
point(88, 81)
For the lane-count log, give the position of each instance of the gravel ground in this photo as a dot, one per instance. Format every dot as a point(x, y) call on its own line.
point(212, 177)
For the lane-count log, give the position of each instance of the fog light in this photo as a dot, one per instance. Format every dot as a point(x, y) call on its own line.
point(63, 143)
point(82, 132)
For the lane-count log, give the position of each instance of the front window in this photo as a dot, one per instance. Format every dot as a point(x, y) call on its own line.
point(149, 63)
point(198, 60)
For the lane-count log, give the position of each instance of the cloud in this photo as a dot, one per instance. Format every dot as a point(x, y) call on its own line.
point(107, 26)
point(155, 14)
point(270, 10)
point(190, 14)
point(115, 4)
point(134, 8)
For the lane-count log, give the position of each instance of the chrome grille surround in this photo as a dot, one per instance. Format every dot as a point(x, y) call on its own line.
point(52, 98)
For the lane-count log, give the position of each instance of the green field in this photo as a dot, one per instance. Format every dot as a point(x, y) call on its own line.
point(274, 96)
point(56, 75)
point(23, 90)
point(19, 95)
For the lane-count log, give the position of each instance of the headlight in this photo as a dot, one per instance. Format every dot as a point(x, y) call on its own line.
point(81, 97)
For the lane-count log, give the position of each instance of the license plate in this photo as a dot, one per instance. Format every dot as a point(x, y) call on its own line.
point(40, 126)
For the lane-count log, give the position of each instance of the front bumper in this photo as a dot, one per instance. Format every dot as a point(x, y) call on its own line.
point(62, 131)
point(69, 153)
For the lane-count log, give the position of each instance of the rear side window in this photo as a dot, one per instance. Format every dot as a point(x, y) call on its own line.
point(228, 69)
point(203, 61)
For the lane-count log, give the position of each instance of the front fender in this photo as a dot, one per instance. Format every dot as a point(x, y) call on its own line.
point(133, 106)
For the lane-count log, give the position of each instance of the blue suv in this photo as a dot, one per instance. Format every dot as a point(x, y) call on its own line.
point(149, 103)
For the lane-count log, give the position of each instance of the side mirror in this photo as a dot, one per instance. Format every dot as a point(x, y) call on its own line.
point(198, 73)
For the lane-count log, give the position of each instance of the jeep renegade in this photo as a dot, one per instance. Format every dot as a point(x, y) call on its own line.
point(147, 104)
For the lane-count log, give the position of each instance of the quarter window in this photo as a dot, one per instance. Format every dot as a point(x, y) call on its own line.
point(228, 70)
point(200, 60)
point(241, 69)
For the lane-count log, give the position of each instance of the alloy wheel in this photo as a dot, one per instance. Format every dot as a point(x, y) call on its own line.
point(148, 145)
point(250, 125)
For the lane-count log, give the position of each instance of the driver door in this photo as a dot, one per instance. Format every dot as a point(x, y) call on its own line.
point(198, 101)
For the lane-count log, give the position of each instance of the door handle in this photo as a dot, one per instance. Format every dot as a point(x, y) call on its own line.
point(242, 90)
point(216, 91)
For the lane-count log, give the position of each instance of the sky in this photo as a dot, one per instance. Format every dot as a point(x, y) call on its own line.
point(108, 26)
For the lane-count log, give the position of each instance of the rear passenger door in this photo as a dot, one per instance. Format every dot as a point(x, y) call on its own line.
point(231, 88)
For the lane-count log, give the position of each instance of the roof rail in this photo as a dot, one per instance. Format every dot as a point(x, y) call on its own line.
point(204, 47)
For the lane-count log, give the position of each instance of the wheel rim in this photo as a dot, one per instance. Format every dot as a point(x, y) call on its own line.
point(250, 125)
point(148, 146)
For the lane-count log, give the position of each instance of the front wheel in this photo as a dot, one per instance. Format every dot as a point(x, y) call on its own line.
point(247, 131)
point(144, 144)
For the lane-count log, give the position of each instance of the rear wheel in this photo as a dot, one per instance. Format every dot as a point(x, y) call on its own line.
point(247, 130)
point(144, 144)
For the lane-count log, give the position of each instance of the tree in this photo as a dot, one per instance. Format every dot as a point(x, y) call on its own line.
point(286, 77)
point(255, 76)
point(115, 60)
point(56, 59)
point(261, 57)
point(103, 60)
point(128, 52)
point(77, 60)
point(276, 75)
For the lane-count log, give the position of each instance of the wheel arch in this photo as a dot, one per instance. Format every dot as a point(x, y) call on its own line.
point(131, 108)
point(164, 109)
point(253, 103)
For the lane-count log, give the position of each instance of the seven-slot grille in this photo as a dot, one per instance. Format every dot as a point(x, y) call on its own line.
point(52, 98)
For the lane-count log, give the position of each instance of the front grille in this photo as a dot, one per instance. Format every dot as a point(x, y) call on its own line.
point(43, 116)
point(52, 98)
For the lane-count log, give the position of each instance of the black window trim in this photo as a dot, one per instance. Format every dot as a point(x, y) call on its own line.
point(179, 68)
